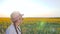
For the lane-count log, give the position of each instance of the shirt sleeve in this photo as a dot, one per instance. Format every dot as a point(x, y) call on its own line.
point(9, 31)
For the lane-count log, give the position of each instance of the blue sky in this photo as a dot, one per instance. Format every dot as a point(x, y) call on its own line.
point(30, 8)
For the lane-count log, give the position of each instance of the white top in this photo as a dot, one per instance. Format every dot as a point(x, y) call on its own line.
point(11, 30)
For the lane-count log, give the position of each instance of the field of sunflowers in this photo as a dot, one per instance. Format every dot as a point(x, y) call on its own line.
point(34, 25)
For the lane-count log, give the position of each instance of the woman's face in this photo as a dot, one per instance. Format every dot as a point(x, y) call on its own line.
point(17, 19)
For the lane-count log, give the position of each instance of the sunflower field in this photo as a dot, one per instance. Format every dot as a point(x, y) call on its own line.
point(34, 25)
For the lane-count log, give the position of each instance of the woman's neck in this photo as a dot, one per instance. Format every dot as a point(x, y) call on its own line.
point(16, 25)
